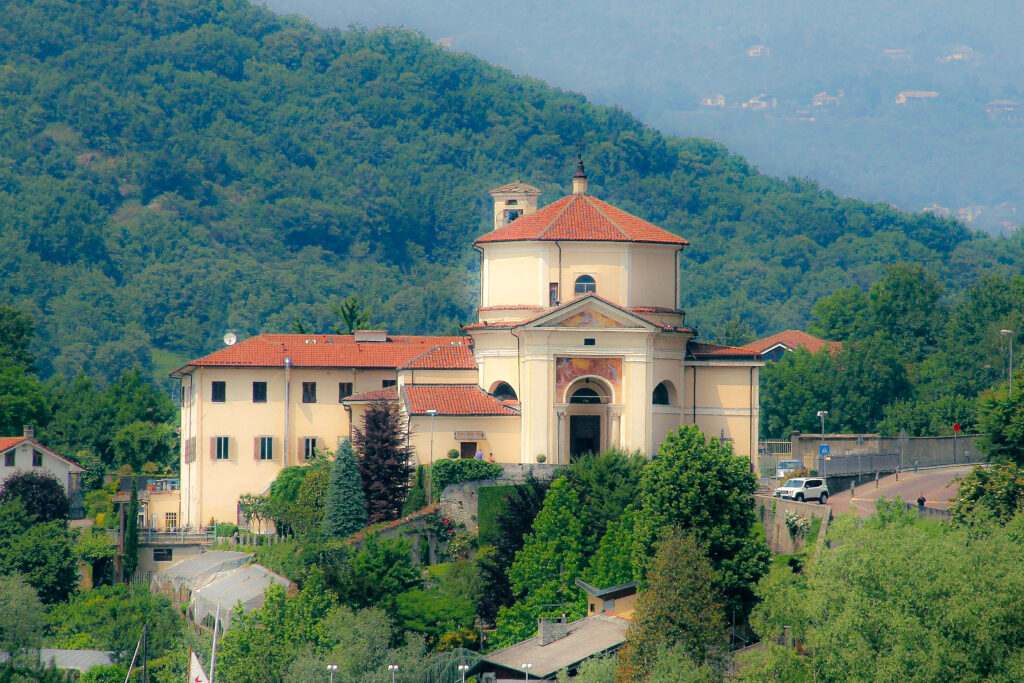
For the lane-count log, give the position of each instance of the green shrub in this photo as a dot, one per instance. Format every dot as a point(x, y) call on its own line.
point(455, 471)
point(416, 500)
point(226, 529)
point(453, 453)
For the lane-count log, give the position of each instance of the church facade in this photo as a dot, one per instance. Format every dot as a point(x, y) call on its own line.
point(579, 345)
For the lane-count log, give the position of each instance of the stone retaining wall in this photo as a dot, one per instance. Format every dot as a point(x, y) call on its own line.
point(461, 501)
point(772, 514)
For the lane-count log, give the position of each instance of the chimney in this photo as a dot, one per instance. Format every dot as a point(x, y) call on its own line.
point(579, 179)
point(550, 630)
point(29, 431)
point(370, 336)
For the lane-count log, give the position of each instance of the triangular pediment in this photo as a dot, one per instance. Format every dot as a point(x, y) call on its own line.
point(589, 312)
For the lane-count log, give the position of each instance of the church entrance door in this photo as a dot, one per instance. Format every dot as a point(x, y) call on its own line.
point(584, 435)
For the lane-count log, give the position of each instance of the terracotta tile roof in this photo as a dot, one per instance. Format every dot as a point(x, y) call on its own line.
point(793, 339)
point(452, 399)
point(321, 351)
point(457, 356)
point(702, 350)
point(7, 442)
point(385, 394)
point(515, 187)
point(580, 217)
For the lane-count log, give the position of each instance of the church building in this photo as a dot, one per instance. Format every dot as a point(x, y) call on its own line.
point(579, 345)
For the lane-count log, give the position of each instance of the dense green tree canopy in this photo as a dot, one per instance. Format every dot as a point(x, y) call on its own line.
point(897, 598)
point(677, 609)
point(698, 485)
point(39, 492)
point(199, 147)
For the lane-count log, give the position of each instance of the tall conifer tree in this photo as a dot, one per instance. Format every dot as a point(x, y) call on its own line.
point(384, 461)
point(346, 504)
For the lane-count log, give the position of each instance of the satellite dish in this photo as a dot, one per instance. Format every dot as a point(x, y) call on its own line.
point(230, 339)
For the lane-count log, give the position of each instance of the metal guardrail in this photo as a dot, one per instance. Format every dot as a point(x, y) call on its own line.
point(157, 536)
point(933, 513)
point(857, 463)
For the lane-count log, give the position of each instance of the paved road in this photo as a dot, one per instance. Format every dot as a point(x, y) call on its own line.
point(938, 485)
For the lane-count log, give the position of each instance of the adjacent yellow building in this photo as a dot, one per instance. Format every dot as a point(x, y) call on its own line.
point(579, 346)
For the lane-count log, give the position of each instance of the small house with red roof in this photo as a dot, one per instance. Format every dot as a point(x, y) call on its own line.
point(579, 345)
point(774, 347)
point(25, 454)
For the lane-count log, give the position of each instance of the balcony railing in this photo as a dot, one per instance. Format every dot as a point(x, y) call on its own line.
point(152, 536)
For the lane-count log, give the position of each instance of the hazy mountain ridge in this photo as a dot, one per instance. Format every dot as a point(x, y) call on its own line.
point(659, 59)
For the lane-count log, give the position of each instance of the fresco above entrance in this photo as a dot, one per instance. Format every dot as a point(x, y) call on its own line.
point(569, 369)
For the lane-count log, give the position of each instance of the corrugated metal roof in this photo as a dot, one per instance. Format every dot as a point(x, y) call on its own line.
point(589, 636)
point(193, 572)
point(244, 585)
point(79, 660)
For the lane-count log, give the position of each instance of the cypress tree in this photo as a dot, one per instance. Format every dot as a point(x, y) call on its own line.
point(384, 461)
point(131, 536)
point(346, 505)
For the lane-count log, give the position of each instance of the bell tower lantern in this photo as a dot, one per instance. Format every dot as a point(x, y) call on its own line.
point(513, 201)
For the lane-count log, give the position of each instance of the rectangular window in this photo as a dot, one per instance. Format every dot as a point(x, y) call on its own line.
point(37, 459)
point(266, 448)
point(344, 390)
point(9, 459)
point(218, 392)
point(163, 554)
point(259, 392)
point(171, 520)
point(222, 448)
point(388, 383)
point(309, 447)
point(309, 392)
point(589, 342)
point(190, 449)
point(552, 294)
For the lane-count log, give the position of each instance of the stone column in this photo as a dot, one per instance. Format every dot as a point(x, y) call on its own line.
point(562, 414)
point(614, 426)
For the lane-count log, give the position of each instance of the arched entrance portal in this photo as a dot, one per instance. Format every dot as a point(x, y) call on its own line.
point(587, 412)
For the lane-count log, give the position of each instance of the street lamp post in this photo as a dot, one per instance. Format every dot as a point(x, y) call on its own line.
point(526, 668)
point(1009, 334)
point(463, 668)
point(823, 414)
point(430, 472)
point(393, 668)
point(331, 668)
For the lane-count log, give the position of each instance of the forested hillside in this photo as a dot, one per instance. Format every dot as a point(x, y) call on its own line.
point(175, 168)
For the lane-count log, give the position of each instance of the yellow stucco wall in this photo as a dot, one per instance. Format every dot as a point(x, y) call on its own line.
point(725, 402)
point(627, 274)
point(652, 276)
point(243, 421)
point(501, 436)
point(437, 377)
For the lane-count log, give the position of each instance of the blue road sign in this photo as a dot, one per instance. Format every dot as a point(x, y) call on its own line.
point(823, 449)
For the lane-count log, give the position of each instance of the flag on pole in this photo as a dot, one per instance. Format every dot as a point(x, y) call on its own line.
point(195, 671)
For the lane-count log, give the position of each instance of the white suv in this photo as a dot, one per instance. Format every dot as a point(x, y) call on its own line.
point(803, 490)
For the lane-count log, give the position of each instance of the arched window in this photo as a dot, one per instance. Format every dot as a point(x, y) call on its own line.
point(663, 394)
point(585, 395)
point(504, 392)
point(585, 284)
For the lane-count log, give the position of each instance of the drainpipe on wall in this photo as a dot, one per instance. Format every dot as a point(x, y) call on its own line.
point(287, 405)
